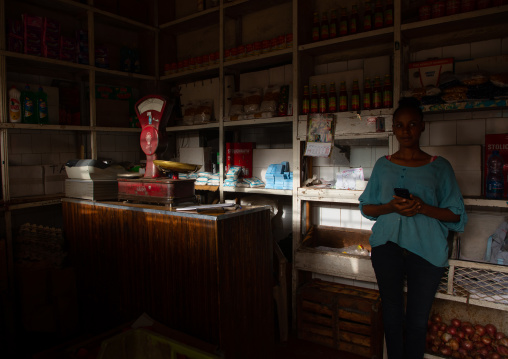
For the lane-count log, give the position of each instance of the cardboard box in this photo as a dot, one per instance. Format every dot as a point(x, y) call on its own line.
point(26, 181)
point(54, 178)
point(496, 142)
point(197, 156)
point(425, 73)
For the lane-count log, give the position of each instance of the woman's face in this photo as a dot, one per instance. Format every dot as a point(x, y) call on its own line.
point(408, 127)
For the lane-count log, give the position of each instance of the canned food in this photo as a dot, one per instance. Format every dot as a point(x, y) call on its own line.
point(180, 66)
point(199, 62)
point(240, 52)
point(206, 60)
point(424, 12)
point(257, 48)
point(467, 5)
point(249, 50)
point(167, 69)
point(438, 9)
point(185, 64)
point(452, 7)
point(281, 42)
point(273, 44)
point(192, 63)
point(289, 40)
point(265, 46)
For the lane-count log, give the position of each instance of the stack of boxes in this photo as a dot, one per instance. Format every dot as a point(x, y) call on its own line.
point(278, 176)
point(33, 29)
point(51, 39)
point(14, 36)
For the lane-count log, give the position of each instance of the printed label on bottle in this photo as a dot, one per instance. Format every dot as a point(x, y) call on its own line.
point(305, 107)
point(29, 108)
point(322, 105)
point(355, 102)
point(387, 99)
point(332, 106)
point(342, 103)
point(389, 17)
point(43, 109)
point(352, 26)
point(377, 99)
point(315, 33)
point(378, 20)
point(495, 189)
point(343, 27)
point(324, 32)
point(367, 23)
point(366, 101)
point(333, 30)
point(14, 110)
point(314, 106)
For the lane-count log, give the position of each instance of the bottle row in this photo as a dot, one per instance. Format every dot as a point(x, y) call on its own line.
point(350, 24)
point(375, 96)
point(27, 106)
point(434, 9)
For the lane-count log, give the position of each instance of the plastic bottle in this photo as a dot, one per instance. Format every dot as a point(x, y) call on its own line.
point(333, 24)
point(495, 178)
point(387, 92)
point(325, 27)
point(378, 15)
point(343, 99)
point(377, 94)
point(343, 22)
point(355, 97)
point(315, 27)
point(42, 106)
point(367, 17)
point(314, 100)
point(332, 98)
point(323, 99)
point(388, 14)
point(354, 20)
point(306, 100)
point(29, 105)
point(367, 94)
point(14, 105)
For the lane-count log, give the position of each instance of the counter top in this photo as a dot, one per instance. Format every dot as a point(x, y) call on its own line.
point(215, 215)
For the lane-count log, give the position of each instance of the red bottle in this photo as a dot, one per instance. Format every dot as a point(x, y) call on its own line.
point(378, 15)
point(354, 20)
point(367, 95)
point(343, 100)
point(332, 98)
point(315, 27)
point(355, 97)
point(388, 14)
point(325, 28)
point(387, 92)
point(306, 100)
point(323, 99)
point(333, 24)
point(343, 22)
point(314, 100)
point(377, 94)
point(367, 17)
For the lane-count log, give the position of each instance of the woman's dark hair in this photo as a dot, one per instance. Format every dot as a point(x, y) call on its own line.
point(409, 103)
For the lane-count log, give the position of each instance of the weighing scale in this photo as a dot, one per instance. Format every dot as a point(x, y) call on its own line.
point(160, 183)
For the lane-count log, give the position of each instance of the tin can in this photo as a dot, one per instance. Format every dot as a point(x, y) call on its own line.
point(467, 5)
point(273, 44)
point(199, 62)
point(192, 63)
point(174, 68)
point(257, 48)
point(424, 12)
point(438, 9)
point(167, 69)
point(249, 50)
point(185, 65)
point(240, 52)
point(234, 53)
point(206, 60)
point(227, 55)
point(281, 42)
point(265, 46)
point(217, 58)
point(380, 124)
point(180, 66)
point(452, 7)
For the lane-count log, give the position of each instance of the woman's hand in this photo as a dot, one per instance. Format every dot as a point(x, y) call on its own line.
point(406, 207)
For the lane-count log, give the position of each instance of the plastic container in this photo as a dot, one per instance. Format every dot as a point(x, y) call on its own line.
point(14, 105)
point(42, 106)
point(28, 106)
point(495, 179)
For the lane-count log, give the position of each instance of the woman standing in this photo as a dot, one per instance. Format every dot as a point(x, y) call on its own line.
point(409, 238)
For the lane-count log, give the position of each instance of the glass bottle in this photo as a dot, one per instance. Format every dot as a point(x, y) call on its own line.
point(367, 94)
point(332, 98)
point(343, 99)
point(323, 99)
point(306, 100)
point(325, 29)
point(315, 27)
point(314, 100)
point(367, 17)
point(377, 94)
point(355, 96)
point(353, 20)
point(388, 14)
point(387, 92)
point(343, 22)
point(378, 15)
point(333, 24)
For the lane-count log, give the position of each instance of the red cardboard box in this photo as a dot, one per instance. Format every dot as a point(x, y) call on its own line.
point(497, 142)
point(240, 154)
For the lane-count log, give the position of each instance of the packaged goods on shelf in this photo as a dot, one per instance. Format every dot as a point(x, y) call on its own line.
point(240, 154)
point(33, 29)
point(15, 37)
point(424, 73)
point(68, 49)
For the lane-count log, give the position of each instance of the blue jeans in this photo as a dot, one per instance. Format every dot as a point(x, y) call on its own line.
point(405, 330)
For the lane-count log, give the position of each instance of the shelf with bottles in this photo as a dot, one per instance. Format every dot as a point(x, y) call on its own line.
point(355, 26)
point(456, 29)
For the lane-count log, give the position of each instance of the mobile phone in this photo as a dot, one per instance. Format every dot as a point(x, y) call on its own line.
point(402, 192)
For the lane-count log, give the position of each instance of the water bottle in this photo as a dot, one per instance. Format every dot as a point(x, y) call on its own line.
point(495, 178)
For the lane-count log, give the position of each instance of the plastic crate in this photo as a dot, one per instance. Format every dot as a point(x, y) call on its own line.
point(142, 343)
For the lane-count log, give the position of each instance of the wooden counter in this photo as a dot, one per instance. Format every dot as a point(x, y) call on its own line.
point(207, 275)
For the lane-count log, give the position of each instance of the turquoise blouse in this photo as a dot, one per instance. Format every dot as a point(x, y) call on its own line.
point(436, 185)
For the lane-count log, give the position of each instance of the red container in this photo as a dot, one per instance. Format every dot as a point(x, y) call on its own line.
point(217, 59)
point(227, 54)
point(281, 42)
point(249, 50)
point(192, 63)
point(167, 69)
point(174, 67)
point(240, 52)
point(180, 66)
point(257, 48)
point(424, 12)
point(438, 9)
point(265, 46)
point(199, 62)
point(212, 58)
point(467, 5)
point(273, 44)
point(289, 40)
point(452, 7)
point(185, 64)
point(206, 60)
